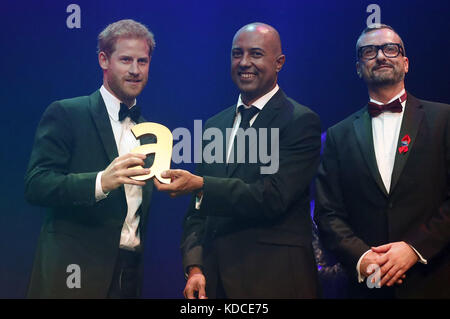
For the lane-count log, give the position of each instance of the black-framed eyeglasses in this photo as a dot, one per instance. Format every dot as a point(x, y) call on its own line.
point(390, 50)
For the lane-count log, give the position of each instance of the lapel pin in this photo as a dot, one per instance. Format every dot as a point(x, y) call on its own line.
point(404, 144)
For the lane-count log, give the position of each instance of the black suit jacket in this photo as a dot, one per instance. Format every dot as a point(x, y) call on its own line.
point(74, 141)
point(253, 231)
point(354, 211)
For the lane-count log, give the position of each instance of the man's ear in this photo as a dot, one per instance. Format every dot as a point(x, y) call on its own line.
point(280, 62)
point(358, 69)
point(406, 63)
point(103, 60)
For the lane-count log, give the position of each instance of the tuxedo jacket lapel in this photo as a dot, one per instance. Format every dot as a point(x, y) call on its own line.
point(103, 125)
point(263, 120)
point(101, 120)
point(410, 126)
point(269, 111)
point(363, 131)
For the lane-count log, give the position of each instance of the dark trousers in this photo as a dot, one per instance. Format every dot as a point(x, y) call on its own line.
point(220, 291)
point(125, 281)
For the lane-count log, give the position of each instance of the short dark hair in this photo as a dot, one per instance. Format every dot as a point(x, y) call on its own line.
point(378, 26)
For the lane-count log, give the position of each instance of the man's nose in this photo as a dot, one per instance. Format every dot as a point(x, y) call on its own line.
point(380, 55)
point(134, 68)
point(245, 61)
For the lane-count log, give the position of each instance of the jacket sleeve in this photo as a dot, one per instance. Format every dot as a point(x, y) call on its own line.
point(331, 215)
point(48, 181)
point(433, 236)
point(193, 230)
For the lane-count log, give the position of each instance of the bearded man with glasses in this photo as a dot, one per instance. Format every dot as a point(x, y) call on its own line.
point(383, 195)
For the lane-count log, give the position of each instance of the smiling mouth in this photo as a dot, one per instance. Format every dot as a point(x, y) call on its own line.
point(133, 80)
point(383, 67)
point(246, 75)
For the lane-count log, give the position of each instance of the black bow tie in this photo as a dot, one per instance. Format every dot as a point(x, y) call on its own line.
point(133, 113)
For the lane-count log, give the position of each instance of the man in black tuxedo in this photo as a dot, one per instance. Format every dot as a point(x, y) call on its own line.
point(247, 233)
point(383, 196)
point(91, 241)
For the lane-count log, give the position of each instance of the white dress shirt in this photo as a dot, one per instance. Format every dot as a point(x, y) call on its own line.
point(259, 103)
point(125, 142)
point(385, 131)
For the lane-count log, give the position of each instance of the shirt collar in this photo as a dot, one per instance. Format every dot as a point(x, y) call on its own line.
point(261, 102)
point(112, 103)
point(394, 98)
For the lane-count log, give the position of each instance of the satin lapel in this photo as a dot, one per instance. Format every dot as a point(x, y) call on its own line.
point(363, 131)
point(263, 120)
point(410, 126)
point(269, 111)
point(101, 120)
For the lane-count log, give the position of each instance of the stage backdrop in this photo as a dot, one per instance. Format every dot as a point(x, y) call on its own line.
point(48, 53)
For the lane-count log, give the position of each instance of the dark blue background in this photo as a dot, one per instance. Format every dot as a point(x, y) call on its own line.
point(42, 60)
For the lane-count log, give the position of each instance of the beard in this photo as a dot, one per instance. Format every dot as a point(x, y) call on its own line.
point(124, 93)
point(384, 78)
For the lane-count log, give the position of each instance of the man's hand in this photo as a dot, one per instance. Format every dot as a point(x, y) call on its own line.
point(396, 260)
point(196, 283)
point(369, 259)
point(117, 173)
point(374, 258)
point(181, 182)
